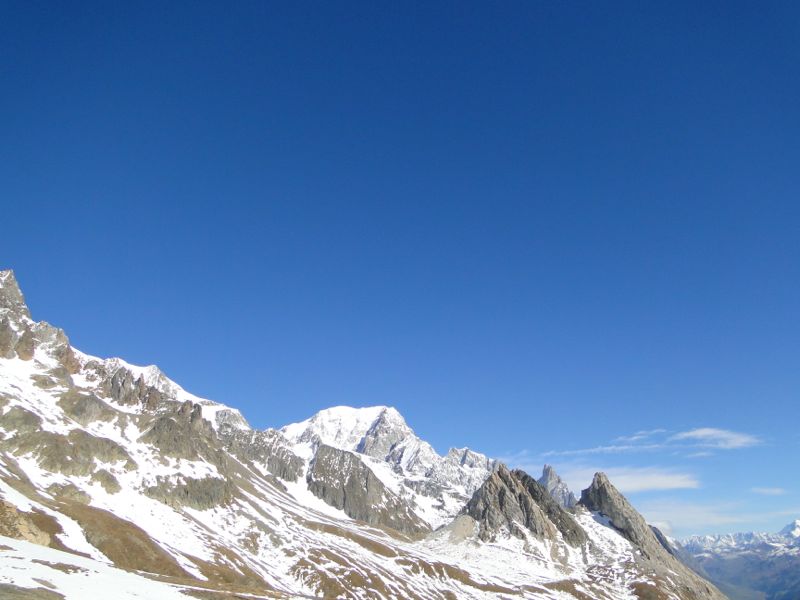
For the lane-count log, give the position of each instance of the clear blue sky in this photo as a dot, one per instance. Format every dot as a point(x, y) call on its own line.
point(533, 227)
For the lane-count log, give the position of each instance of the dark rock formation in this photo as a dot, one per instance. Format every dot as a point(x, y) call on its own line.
point(182, 434)
point(566, 524)
point(342, 480)
point(199, 494)
point(509, 500)
point(123, 388)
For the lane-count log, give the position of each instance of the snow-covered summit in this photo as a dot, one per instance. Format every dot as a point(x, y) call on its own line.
point(344, 427)
point(397, 455)
point(792, 529)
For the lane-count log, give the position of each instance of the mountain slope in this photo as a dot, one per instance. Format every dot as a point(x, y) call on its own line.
point(120, 466)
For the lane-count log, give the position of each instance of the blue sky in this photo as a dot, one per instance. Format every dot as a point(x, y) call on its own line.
point(536, 229)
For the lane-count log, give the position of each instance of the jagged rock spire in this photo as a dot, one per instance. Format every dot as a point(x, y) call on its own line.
point(556, 487)
point(11, 297)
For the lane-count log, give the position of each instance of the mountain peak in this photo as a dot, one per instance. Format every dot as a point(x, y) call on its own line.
point(11, 297)
point(346, 427)
point(792, 529)
point(556, 487)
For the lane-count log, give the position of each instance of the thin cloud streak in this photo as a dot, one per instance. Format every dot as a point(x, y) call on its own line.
point(768, 491)
point(629, 480)
point(640, 435)
point(703, 439)
point(722, 439)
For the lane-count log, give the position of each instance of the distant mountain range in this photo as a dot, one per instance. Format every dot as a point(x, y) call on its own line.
point(117, 483)
point(763, 566)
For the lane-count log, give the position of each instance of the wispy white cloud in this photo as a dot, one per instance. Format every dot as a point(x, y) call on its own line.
point(611, 449)
point(675, 517)
point(630, 479)
point(703, 439)
point(712, 437)
point(639, 435)
point(768, 491)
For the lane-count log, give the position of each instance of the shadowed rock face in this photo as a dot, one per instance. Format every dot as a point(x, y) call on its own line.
point(510, 499)
point(604, 498)
point(342, 480)
point(199, 494)
point(183, 433)
point(267, 448)
point(563, 520)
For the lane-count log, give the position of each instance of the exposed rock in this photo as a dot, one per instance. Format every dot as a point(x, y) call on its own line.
point(8, 338)
point(181, 434)
point(199, 494)
point(342, 480)
point(25, 346)
point(123, 388)
point(604, 498)
point(17, 524)
point(107, 480)
point(73, 454)
point(14, 592)
point(20, 421)
point(85, 408)
point(556, 487)
point(11, 297)
point(573, 533)
point(267, 448)
point(509, 501)
point(388, 429)
point(68, 491)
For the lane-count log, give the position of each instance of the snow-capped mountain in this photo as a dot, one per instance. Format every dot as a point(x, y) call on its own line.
point(766, 564)
point(116, 472)
point(436, 487)
point(792, 530)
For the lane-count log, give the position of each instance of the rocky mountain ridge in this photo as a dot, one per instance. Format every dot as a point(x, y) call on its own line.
point(120, 466)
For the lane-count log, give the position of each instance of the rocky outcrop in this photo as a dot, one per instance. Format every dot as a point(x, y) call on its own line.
point(268, 449)
point(342, 480)
point(18, 524)
point(11, 297)
point(513, 502)
point(556, 487)
point(602, 497)
point(20, 336)
point(122, 387)
point(183, 433)
point(200, 494)
point(566, 524)
point(73, 454)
